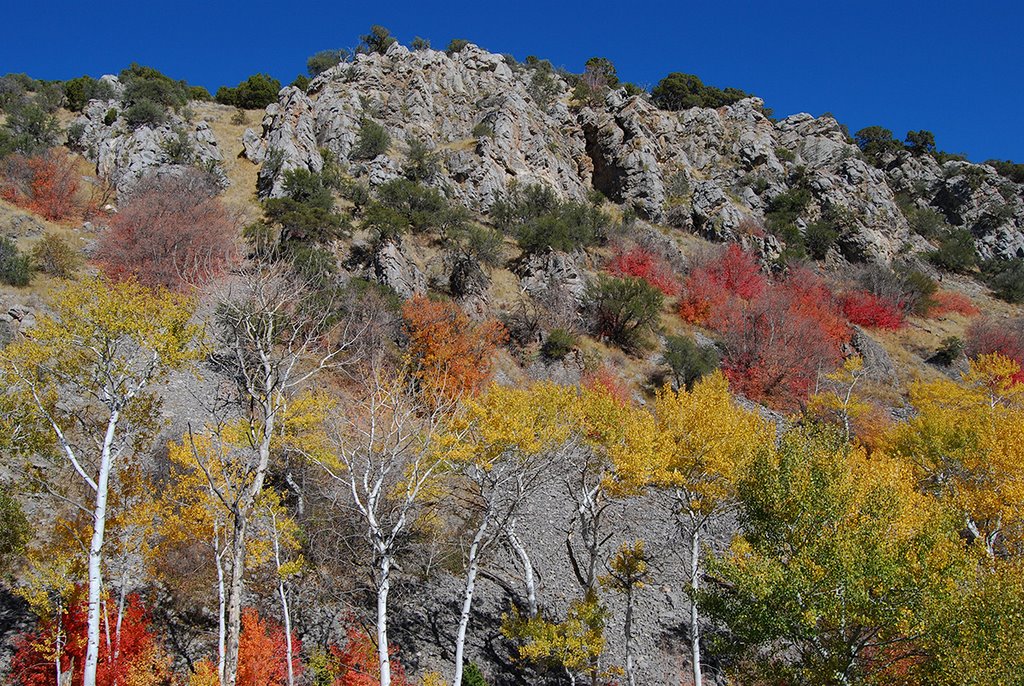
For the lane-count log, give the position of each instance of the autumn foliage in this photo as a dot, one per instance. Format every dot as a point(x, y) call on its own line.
point(873, 311)
point(173, 233)
point(735, 274)
point(988, 336)
point(643, 264)
point(356, 663)
point(453, 355)
point(778, 336)
point(45, 184)
point(946, 302)
point(131, 657)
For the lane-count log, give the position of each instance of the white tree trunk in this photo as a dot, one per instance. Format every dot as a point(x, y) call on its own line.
point(694, 610)
point(382, 620)
point(467, 599)
point(234, 624)
point(99, 523)
point(529, 579)
point(221, 606)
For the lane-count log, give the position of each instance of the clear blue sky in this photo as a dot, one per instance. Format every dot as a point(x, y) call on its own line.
point(955, 68)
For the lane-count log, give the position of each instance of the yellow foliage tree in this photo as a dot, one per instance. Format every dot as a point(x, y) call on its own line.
point(89, 371)
point(967, 442)
point(704, 440)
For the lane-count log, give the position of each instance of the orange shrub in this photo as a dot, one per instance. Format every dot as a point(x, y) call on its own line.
point(45, 184)
point(946, 302)
point(262, 655)
point(867, 309)
point(357, 663)
point(133, 658)
point(453, 354)
point(605, 379)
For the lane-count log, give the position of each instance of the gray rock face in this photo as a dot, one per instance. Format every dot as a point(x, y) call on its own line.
point(391, 267)
point(878, 366)
point(623, 153)
point(700, 169)
point(124, 155)
point(549, 271)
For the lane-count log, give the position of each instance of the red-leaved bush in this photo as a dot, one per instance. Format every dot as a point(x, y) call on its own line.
point(777, 336)
point(948, 302)
point(131, 656)
point(644, 264)
point(173, 232)
point(45, 184)
point(987, 336)
point(357, 663)
point(605, 379)
point(734, 274)
point(778, 343)
point(873, 311)
point(262, 655)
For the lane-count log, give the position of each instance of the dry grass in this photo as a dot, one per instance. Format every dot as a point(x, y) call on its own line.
point(240, 196)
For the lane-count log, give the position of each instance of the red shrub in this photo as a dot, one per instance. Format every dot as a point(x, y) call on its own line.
point(946, 302)
point(45, 184)
point(136, 651)
point(734, 274)
point(987, 336)
point(643, 264)
point(776, 345)
point(173, 232)
point(605, 379)
point(813, 299)
point(357, 663)
point(262, 653)
point(873, 311)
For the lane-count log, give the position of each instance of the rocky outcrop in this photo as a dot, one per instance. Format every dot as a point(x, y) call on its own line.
point(392, 267)
point(706, 170)
point(124, 154)
point(549, 271)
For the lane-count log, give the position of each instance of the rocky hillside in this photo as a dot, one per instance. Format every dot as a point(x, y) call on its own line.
point(521, 224)
point(701, 170)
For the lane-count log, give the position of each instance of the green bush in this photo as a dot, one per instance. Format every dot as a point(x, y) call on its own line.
point(306, 214)
point(52, 255)
point(558, 344)
point(145, 83)
point(472, 676)
point(624, 310)
point(688, 361)
point(110, 117)
point(456, 45)
point(301, 82)
point(404, 205)
point(15, 268)
point(679, 91)
point(877, 142)
point(30, 129)
point(956, 252)
point(422, 163)
point(819, 238)
point(15, 531)
point(179, 149)
point(540, 221)
point(255, 93)
point(378, 40)
point(79, 91)
point(371, 141)
point(1005, 278)
point(483, 130)
point(949, 351)
point(324, 60)
point(925, 221)
point(145, 113)
point(199, 93)
point(419, 44)
point(480, 243)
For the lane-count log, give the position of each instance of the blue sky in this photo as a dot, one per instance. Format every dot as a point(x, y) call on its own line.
point(955, 68)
